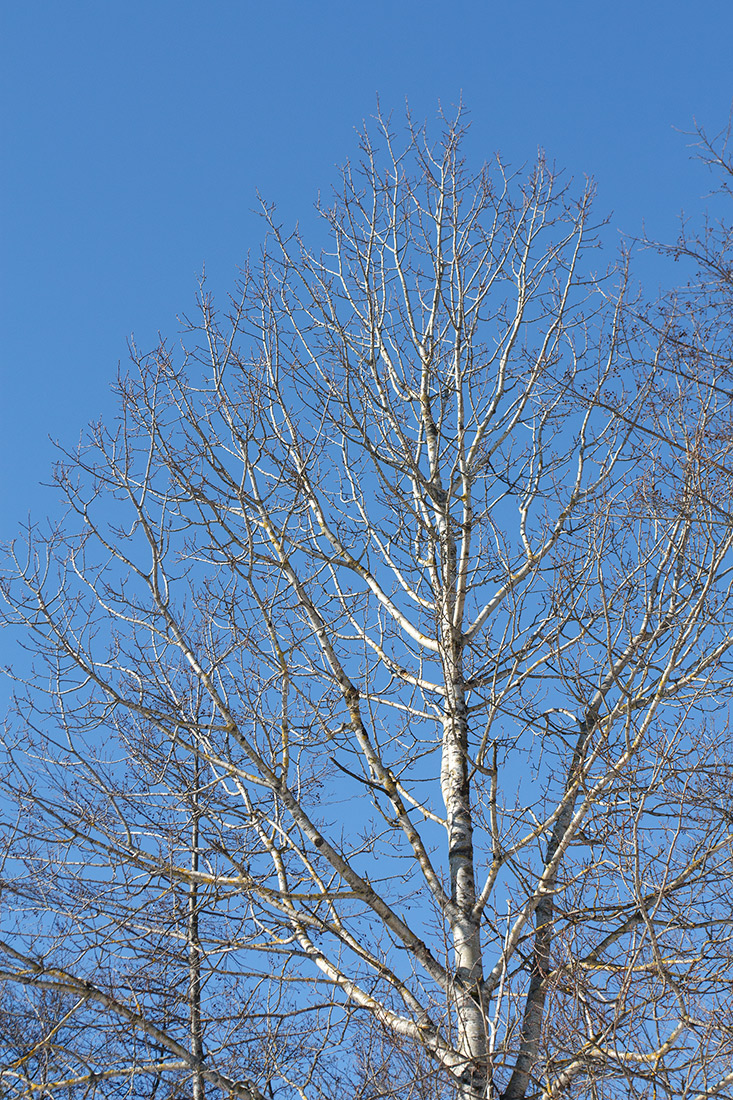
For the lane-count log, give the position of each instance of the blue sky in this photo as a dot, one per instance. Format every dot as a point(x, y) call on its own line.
point(136, 134)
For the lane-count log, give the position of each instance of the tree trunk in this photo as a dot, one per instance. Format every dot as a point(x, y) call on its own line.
point(472, 1038)
point(194, 951)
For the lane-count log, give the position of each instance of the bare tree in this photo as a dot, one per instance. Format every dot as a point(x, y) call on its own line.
point(375, 737)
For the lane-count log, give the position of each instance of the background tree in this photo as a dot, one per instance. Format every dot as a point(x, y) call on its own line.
point(375, 738)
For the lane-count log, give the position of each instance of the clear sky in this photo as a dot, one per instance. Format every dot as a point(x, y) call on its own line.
point(135, 134)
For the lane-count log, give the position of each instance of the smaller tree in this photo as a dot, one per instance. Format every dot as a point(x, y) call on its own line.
point(373, 740)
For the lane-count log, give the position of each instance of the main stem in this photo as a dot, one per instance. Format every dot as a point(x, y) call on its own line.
point(472, 1039)
point(194, 950)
